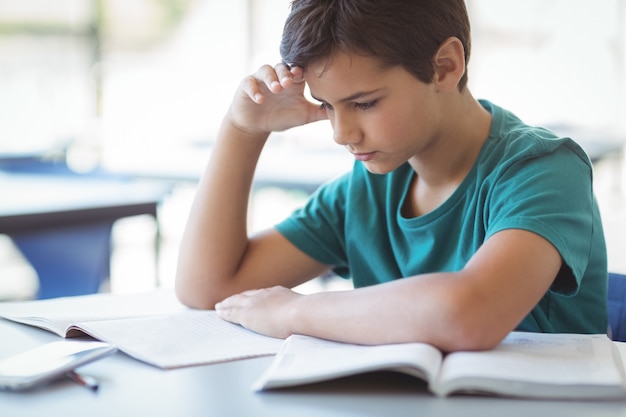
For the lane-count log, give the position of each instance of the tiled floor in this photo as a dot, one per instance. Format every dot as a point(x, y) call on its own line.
point(134, 267)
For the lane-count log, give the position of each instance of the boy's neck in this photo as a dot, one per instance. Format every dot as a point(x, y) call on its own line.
point(463, 131)
point(442, 167)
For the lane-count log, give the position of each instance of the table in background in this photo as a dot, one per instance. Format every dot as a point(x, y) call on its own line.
point(131, 388)
point(62, 224)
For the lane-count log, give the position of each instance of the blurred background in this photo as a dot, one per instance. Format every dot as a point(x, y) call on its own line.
point(137, 89)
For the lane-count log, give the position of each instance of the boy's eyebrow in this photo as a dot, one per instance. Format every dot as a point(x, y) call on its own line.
point(352, 96)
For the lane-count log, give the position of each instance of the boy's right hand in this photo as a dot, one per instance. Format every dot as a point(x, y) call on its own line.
point(272, 99)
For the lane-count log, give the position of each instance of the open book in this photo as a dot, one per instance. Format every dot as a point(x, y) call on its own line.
point(534, 365)
point(152, 327)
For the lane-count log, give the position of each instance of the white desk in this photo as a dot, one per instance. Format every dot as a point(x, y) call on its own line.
point(131, 388)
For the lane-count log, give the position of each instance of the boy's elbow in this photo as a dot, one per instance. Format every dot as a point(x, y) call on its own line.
point(191, 299)
point(473, 337)
point(201, 290)
point(471, 329)
point(192, 296)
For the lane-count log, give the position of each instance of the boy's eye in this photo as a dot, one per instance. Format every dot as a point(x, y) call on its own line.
point(366, 106)
point(358, 106)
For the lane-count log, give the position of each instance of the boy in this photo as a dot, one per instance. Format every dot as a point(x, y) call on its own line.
point(458, 223)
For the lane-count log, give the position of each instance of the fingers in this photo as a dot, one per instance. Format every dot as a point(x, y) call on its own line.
point(272, 100)
point(224, 310)
point(262, 311)
point(226, 306)
point(235, 307)
point(230, 307)
point(284, 75)
point(271, 79)
point(250, 86)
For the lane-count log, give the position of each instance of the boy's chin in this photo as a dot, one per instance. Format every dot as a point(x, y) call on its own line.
point(378, 169)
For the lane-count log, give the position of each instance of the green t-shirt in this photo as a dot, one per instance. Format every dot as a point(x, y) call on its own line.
point(524, 178)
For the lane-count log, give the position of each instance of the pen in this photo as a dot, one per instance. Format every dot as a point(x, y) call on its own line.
point(84, 380)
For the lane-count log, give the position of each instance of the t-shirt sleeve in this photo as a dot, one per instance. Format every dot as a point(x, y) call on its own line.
point(552, 196)
point(317, 228)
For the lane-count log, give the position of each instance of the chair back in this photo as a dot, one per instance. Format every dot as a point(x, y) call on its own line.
point(616, 306)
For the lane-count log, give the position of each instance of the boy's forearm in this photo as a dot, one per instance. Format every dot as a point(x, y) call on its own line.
point(408, 310)
point(216, 235)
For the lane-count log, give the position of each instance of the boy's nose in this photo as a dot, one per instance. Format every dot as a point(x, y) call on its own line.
point(345, 131)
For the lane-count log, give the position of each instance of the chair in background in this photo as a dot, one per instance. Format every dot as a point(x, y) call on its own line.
point(62, 220)
point(616, 305)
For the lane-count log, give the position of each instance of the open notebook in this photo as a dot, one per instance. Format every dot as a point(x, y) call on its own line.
point(152, 327)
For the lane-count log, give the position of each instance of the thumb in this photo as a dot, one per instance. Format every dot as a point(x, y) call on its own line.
point(317, 113)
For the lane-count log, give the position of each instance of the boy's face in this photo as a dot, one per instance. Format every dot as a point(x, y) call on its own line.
point(384, 117)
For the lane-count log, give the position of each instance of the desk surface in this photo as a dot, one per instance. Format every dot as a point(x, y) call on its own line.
point(131, 388)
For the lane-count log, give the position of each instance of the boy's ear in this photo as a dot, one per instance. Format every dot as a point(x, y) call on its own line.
point(449, 63)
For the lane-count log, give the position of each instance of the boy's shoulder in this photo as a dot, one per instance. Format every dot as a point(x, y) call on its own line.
point(513, 138)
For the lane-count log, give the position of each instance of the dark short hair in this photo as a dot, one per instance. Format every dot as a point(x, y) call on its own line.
point(407, 33)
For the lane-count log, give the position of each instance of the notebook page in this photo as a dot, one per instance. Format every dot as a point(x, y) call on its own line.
point(540, 358)
point(65, 311)
point(187, 338)
point(305, 359)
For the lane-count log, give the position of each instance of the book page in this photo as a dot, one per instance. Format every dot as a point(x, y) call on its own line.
point(191, 337)
point(305, 359)
point(535, 358)
point(57, 314)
